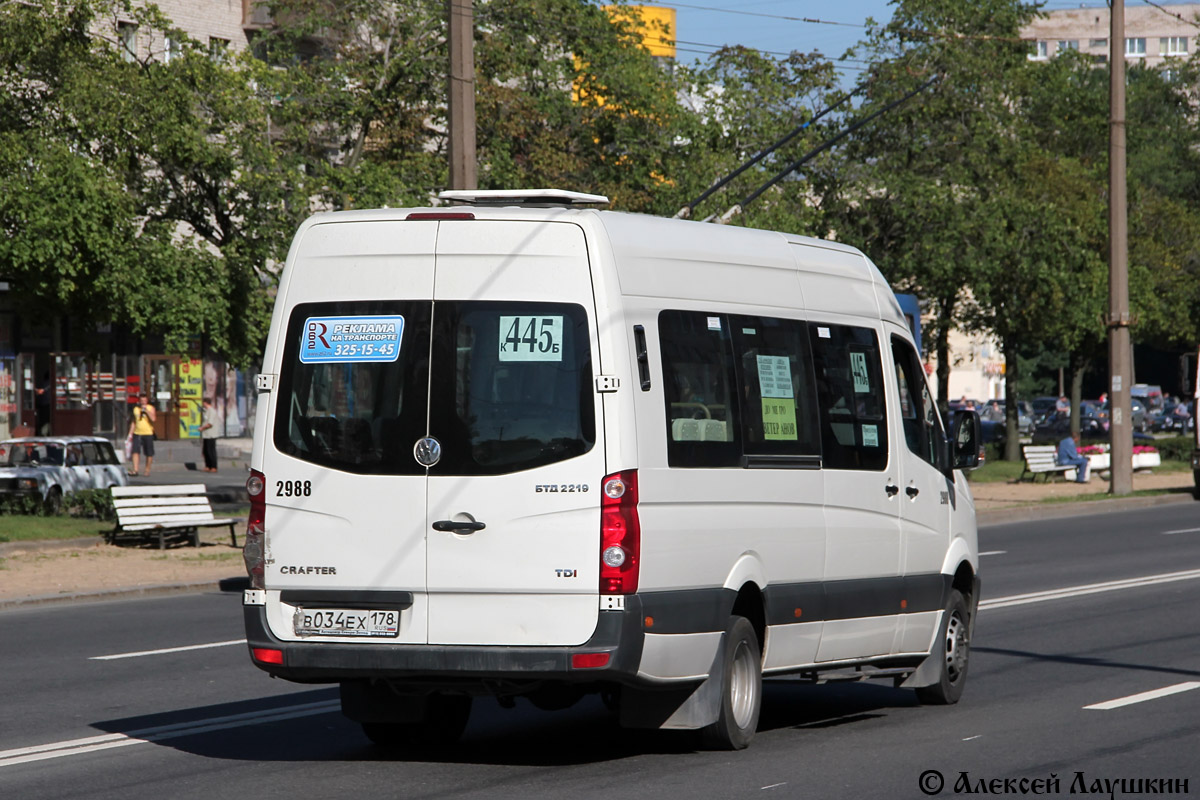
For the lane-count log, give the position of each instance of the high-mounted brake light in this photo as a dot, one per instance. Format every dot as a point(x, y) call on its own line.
point(440, 215)
point(620, 534)
point(253, 553)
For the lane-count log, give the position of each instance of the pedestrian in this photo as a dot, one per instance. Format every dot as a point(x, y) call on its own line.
point(208, 436)
point(43, 398)
point(141, 429)
point(1068, 456)
point(1063, 406)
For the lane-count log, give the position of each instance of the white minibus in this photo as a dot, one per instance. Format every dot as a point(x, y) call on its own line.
point(517, 446)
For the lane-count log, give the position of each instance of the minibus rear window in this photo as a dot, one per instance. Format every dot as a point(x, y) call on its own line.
point(512, 386)
point(355, 401)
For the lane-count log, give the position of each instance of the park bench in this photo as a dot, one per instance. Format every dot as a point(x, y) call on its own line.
point(1040, 460)
point(165, 513)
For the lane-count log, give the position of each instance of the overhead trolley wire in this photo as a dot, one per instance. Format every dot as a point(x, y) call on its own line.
point(790, 168)
point(686, 211)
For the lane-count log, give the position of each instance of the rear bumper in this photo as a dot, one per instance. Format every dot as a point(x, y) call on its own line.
point(618, 633)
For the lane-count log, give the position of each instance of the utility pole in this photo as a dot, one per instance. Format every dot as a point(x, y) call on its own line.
point(1121, 428)
point(461, 100)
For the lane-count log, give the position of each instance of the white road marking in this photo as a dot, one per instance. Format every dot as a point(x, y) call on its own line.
point(1185, 530)
point(1091, 588)
point(1144, 696)
point(993, 553)
point(775, 785)
point(92, 744)
point(167, 650)
point(972, 738)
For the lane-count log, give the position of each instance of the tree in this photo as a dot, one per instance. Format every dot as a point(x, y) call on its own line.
point(146, 192)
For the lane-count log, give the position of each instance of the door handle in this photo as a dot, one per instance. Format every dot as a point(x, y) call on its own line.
point(912, 491)
point(450, 526)
point(892, 489)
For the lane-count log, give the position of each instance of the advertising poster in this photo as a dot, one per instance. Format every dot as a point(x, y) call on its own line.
point(190, 373)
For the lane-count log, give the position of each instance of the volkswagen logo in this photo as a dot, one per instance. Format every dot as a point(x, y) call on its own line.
point(427, 451)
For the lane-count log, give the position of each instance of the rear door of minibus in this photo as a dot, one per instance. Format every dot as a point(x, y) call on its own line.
point(345, 513)
point(514, 498)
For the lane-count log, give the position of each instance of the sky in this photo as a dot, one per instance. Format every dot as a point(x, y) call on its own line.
point(705, 25)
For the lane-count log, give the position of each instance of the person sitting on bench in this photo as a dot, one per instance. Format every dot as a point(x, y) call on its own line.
point(1068, 456)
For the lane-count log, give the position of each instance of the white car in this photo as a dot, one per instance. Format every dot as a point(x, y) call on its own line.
point(50, 467)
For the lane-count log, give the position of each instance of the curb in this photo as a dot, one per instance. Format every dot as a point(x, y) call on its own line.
point(1078, 508)
point(163, 590)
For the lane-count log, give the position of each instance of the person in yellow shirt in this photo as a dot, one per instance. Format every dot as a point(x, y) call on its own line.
point(141, 430)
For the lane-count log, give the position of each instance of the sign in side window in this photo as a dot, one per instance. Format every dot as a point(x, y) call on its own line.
point(775, 378)
point(737, 387)
point(918, 413)
point(698, 376)
point(354, 384)
point(351, 339)
point(512, 386)
point(850, 397)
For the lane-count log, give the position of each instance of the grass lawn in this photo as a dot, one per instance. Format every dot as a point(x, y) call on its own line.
point(997, 471)
point(19, 528)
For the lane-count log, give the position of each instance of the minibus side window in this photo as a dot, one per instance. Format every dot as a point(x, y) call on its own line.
point(918, 413)
point(703, 428)
point(850, 395)
point(775, 385)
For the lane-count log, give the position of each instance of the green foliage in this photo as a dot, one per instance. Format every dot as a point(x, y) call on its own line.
point(986, 194)
point(1175, 448)
point(91, 504)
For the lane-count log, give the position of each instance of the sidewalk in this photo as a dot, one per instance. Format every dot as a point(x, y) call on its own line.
point(179, 461)
point(1002, 502)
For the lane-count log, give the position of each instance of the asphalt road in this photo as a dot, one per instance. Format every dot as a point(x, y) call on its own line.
point(1077, 612)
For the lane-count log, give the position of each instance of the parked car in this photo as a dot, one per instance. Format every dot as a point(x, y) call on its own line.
point(993, 420)
point(1041, 407)
point(1174, 417)
point(1151, 396)
point(50, 467)
point(1093, 427)
point(1139, 415)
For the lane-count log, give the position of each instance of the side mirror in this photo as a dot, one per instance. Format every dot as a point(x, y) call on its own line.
point(966, 441)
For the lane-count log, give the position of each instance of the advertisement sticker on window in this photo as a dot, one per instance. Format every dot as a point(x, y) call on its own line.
point(870, 435)
point(531, 338)
point(779, 419)
point(774, 376)
point(348, 340)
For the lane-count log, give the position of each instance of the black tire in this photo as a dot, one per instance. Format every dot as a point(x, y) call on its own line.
point(443, 726)
point(953, 650)
point(741, 689)
point(54, 501)
point(1196, 488)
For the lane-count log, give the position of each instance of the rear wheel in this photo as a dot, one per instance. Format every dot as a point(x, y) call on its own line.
point(953, 650)
point(54, 500)
point(443, 725)
point(741, 689)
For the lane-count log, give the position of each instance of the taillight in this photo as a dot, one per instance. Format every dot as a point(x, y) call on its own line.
point(620, 534)
point(253, 553)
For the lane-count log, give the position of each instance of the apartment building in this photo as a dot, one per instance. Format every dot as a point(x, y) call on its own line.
point(220, 25)
point(1153, 32)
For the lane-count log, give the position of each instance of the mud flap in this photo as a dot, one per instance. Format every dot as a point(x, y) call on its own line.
point(689, 708)
point(930, 671)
